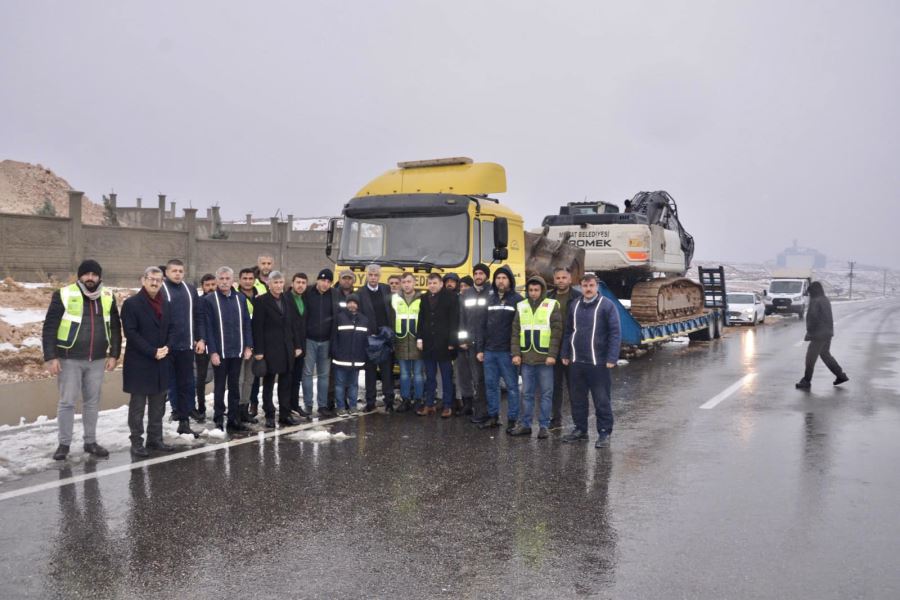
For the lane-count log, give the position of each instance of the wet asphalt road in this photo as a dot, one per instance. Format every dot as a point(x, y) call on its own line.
point(773, 493)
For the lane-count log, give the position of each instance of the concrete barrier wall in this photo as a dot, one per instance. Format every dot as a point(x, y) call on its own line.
point(34, 248)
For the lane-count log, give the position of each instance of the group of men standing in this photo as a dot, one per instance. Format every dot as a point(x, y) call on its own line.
point(457, 341)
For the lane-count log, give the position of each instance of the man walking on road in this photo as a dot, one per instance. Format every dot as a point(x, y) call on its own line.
point(590, 347)
point(493, 349)
point(565, 294)
point(819, 331)
point(536, 336)
point(82, 336)
point(149, 332)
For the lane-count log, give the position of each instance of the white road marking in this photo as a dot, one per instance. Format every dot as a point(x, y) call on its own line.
point(259, 437)
point(715, 400)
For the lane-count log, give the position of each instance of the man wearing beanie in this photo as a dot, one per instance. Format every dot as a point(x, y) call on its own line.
point(82, 337)
point(472, 311)
point(321, 309)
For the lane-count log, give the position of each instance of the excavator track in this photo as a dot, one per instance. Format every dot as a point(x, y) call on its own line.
point(665, 299)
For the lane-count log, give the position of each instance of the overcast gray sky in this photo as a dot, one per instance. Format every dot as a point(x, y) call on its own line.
point(767, 121)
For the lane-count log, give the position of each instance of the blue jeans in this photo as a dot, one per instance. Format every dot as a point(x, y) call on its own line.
point(412, 376)
point(431, 369)
point(316, 363)
point(346, 387)
point(540, 377)
point(584, 378)
point(497, 365)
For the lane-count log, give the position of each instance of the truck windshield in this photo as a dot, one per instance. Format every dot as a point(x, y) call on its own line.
point(441, 240)
point(786, 287)
point(740, 298)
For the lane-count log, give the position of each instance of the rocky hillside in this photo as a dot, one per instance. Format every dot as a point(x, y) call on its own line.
point(25, 187)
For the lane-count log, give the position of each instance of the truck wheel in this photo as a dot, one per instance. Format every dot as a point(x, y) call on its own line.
point(801, 314)
point(720, 326)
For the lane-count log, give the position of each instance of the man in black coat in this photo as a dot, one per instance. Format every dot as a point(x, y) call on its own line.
point(278, 340)
point(819, 331)
point(438, 331)
point(149, 331)
point(375, 304)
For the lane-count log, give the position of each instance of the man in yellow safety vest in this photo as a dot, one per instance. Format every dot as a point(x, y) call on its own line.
point(412, 375)
point(536, 334)
point(82, 337)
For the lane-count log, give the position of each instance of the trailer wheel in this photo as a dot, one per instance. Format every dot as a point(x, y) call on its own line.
point(706, 334)
point(720, 326)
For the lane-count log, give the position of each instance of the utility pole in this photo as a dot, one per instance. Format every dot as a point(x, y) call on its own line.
point(851, 278)
point(884, 285)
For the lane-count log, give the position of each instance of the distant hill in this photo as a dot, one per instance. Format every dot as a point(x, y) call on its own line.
point(24, 188)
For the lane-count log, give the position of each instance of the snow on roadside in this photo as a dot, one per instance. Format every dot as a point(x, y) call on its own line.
point(318, 434)
point(22, 316)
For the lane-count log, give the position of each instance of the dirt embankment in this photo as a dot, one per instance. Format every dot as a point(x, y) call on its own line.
point(24, 188)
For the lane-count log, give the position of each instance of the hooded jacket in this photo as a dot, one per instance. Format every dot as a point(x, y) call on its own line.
point(501, 311)
point(349, 339)
point(819, 320)
point(532, 356)
point(472, 312)
point(91, 343)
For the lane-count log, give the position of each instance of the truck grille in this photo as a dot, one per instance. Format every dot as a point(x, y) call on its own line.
point(781, 301)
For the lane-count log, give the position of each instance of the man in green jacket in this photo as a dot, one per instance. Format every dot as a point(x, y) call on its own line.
point(536, 334)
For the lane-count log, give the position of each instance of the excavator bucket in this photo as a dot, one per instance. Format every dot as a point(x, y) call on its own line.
point(543, 255)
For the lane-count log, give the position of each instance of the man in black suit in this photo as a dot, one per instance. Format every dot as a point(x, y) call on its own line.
point(375, 304)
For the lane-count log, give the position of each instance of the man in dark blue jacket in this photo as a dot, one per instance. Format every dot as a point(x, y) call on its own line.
point(493, 349)
point(348, 352)
point(228, 337)
point(186, 314)
point(590, 348)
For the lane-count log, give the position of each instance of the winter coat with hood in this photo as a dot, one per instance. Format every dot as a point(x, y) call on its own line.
point(349, 339)
point(91, 342)
point(532, 356)
point(819, 321)
point(472, 312)
point(501, 311)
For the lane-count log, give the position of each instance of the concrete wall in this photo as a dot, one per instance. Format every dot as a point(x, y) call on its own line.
point(34, 248)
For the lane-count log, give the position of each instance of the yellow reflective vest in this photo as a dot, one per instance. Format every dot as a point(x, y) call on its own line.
point(534, 326)
point(73, 304)
point(407, 315)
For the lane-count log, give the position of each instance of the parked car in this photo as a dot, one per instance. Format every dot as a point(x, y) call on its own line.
point(746, 307)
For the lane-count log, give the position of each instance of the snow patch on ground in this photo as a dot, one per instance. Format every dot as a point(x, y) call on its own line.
point(21, 316)
point(622, 362)
point(318, 435)
point(7, 347)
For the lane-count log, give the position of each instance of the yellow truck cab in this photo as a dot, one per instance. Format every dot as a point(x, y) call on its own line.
point(430, 216)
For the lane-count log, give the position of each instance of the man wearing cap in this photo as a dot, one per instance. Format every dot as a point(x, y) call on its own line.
point(472, 311)
point(344, 287)
point(590, 348)
point(536, 335)
point(565, 294)
point(375, 303)
point(321, 309)
point(82, 337)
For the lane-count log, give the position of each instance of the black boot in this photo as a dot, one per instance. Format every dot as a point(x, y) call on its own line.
point(803, 384)
point(489, 423)
point(184, 426)
point(245, 415)
point(270, 422)
point(842, 378)
point(254, 409)
point(138, 450)
point(479, 419)
point(96, 449)
point(467, 406)
point(511, 424)
point(405, 405)
point(62, 451)
point(199, 415)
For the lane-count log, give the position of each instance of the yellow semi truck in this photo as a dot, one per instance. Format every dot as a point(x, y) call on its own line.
point(439, 216)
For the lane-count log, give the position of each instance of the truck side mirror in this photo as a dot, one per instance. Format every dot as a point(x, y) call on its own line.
point(329, 237)
point(501, 238)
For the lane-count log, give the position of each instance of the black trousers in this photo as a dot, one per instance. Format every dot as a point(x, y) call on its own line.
point(182, 383)
point(296, 381)
point(227, 375)
point(387, 381)
point(157, 404)
point(560, 388)
point(202, 362)
point(284, 396)
point(820, 348)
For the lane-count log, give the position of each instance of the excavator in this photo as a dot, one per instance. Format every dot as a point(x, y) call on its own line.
point(641, 253)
